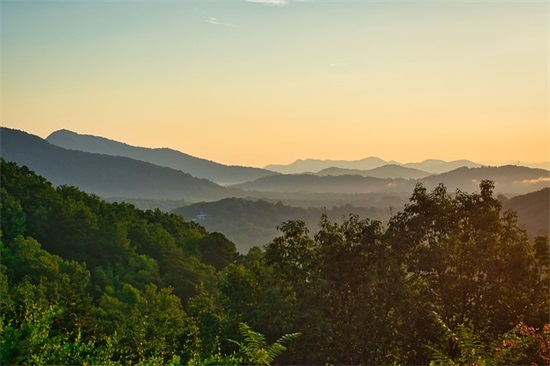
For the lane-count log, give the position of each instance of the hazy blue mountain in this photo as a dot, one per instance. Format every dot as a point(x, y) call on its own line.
point(435, 166)
point(432, 166)
point(533, 211)
point(508, 179)
point(385, 171)
point(197, 167)
point(309, 183)
point(104, 175)
point(315, 165)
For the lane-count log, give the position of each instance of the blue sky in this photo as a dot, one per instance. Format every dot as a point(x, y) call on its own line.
point(253, 83)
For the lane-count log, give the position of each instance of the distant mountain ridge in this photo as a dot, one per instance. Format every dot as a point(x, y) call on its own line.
point(310, 183)
point(508, 179)
point(316, 165)
point(105, 175)
point(432, 166)
point(436, 166)
point(197, 167)
point(120, 177)
point(384, 171)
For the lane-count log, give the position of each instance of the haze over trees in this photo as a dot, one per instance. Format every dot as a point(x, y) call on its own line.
point(122, 177)
point(375, 193)
point(253, 223)
point(533, 211)
point(452, 278)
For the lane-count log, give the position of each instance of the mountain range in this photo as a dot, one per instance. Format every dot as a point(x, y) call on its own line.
point(112, 176)
point(431, 166)
point(104, 175)
point(197, 167)
point(253, 222)
point(384, 171)
point(374, 192)
point(508, 179)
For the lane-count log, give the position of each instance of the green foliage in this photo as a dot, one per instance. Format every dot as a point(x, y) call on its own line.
point(469, 262)
point(255, 349)
point(337, 287)
point(13, 221)
point(468, 346)
point(216, 250)
point(253, 222)
point(83, 281)
point(460, 256)
point(29, 336)
point(520, 346)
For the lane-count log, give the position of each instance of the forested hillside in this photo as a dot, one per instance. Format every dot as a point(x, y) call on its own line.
point(197, 167)
point(453, 279)
point(533, 211)
point(104, 175)
point(85, 281)
point(309, 183)
point(508, 179)
point(254, 223)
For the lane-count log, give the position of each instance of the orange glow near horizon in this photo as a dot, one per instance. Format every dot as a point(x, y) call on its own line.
point(248, 84)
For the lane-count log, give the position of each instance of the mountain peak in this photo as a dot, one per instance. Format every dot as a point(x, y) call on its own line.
point(165, 157)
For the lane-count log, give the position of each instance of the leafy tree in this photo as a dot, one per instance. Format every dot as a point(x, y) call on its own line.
point(83, 281)
point(339, 286)
point(520, 346)
point(29, 336)
point(216, 250)
point(469, 262)
point(13, 221)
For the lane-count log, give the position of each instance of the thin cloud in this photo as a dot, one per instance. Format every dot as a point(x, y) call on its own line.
point(277, 2)
point(215, 21)
point(535, 181)
point(270, 2)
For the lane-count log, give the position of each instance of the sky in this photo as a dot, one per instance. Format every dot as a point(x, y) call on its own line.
point(271, 81)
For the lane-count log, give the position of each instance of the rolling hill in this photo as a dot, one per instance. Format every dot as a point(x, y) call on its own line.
point(104, 175)
point(436, 166)
point(254, 222)
point(197, 167)
point(508, 179)
point(385, 171)
point(315, 165)
point(327, 184)
point(533, 211)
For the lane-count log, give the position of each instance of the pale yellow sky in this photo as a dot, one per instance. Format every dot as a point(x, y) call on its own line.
point(252, 84)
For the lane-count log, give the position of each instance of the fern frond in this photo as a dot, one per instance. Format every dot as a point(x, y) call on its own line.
point(255, 348)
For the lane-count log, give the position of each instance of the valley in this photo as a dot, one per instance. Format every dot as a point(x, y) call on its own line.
point(247, 204)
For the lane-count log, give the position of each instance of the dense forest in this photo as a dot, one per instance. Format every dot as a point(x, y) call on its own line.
point(452, 279)
point(251, 223)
